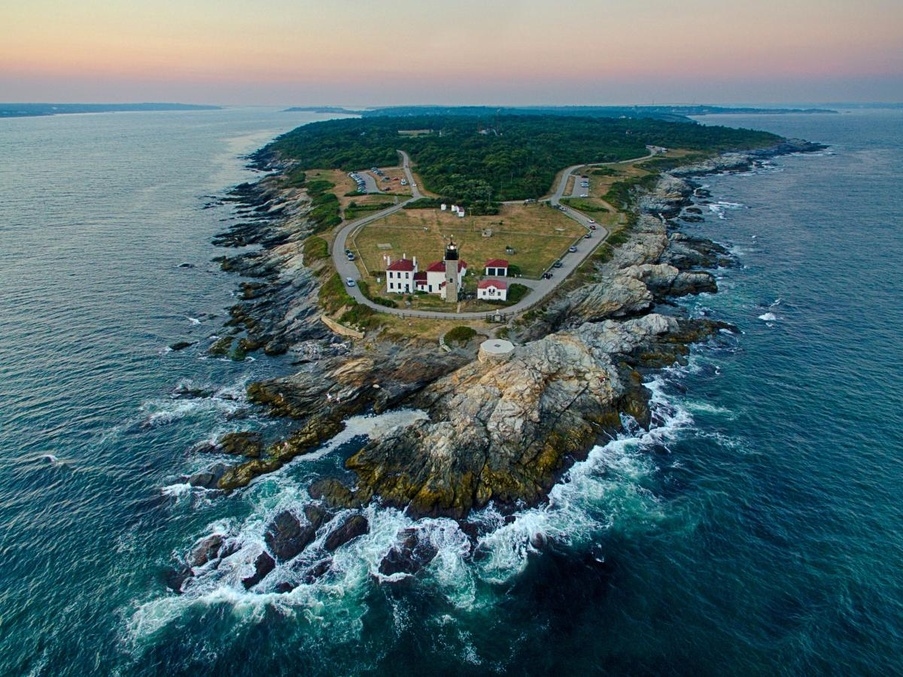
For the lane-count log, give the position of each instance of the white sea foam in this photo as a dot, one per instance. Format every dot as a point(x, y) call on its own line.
point(768, 317)
point(719, 208)
point(708, 408)
point(224, 401)
point(178, 490)
point(605, 491)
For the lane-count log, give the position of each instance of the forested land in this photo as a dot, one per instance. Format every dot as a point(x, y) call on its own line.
point(479, 161)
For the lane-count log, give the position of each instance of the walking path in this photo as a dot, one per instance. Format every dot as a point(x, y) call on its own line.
point(540, 289)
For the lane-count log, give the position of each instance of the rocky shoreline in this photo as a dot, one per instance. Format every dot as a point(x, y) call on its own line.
point(496, 431)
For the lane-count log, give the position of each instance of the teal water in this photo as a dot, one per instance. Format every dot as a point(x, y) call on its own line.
point(755, 530)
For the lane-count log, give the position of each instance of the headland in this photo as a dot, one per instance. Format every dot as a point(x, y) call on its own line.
point(501, 429)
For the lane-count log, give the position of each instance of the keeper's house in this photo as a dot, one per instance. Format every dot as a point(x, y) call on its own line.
point(442, 278)
point(400, 276)
point(492, 290)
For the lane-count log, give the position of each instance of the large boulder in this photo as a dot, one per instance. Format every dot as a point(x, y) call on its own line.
point(209, 478)
point(263, 565)
point(286, 536)
point(351, 528)
point(498, 431)
point(205, 550)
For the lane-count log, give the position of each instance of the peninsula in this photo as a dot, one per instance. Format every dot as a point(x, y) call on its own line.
point(585, 210)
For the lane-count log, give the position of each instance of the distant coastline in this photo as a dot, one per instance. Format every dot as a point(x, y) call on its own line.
point(20, 110)
point(677, 113)
point(322, 110)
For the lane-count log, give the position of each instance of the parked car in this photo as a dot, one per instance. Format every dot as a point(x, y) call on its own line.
point(349, 281)
point(558, 264)
point(573, 250)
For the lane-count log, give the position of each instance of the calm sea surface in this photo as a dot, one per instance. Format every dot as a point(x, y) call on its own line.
point(756, 529)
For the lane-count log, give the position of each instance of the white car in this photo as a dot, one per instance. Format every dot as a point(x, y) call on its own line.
point(349, 281)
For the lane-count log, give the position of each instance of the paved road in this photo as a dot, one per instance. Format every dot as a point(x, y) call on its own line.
point(540, 288)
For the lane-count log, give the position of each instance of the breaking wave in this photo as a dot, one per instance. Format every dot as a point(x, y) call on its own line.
point(612, 489)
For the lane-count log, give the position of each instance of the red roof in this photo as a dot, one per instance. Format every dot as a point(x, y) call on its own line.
point(420, 277)
point(439, 266)
point(496, 263)
point(486, 284)
point(402, 265)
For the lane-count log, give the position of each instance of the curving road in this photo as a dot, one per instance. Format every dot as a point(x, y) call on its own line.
point(540, 288)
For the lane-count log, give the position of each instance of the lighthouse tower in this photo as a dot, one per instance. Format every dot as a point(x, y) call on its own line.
point(451, 272)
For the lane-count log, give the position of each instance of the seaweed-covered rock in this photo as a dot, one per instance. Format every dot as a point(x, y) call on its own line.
point(334, 493)
point(243, 443)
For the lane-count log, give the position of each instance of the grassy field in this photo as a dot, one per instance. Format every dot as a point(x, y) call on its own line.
point(531, 237)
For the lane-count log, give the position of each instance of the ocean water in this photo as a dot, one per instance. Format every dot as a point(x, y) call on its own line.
point(755, 529)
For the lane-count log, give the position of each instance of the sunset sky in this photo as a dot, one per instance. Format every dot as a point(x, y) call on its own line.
point(382, 52)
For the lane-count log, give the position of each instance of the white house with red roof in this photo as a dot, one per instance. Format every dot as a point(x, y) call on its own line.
point(400, 276)
point(492, 290)
point(496, 268)
point(403, 277)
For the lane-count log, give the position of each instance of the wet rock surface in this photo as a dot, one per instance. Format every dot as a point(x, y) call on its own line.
point(286, 536)
point(263, 565)
point(409, 555)
point(348, 530)
point(207, 550)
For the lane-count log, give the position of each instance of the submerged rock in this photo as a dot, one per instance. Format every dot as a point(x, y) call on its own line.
point(175, 578)
point(181, 345)
point(409, 555)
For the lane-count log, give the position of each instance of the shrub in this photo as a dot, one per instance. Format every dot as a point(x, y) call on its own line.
point(315, 249)
point(460, 335)
point(360, 315)
point(425, 203)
